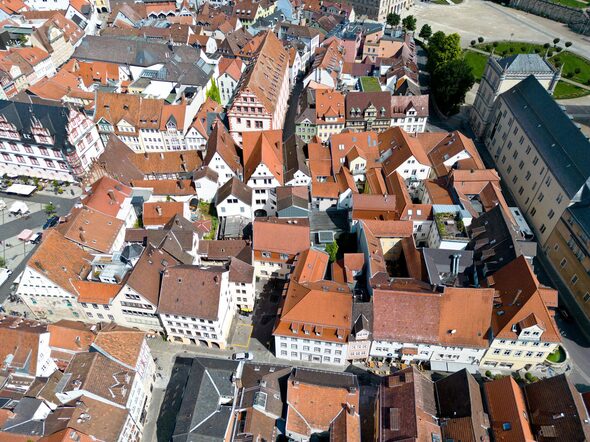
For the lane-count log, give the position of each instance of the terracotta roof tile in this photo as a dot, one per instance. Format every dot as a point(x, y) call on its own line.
point(60, 260)
point(263, 147)
point(159, 213)
point(96, 292)
point(106, 195)
point(167, 187)
point(74, 336)
point(121, 343)
point(281, 235)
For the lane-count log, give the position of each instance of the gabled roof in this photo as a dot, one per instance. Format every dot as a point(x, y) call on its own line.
point(281, 235)
point(263, 147)
point(106, 195)
point(518, 296)
point(526, 64)
point(265, 76)
point(19, 344)
point(506, 406)
point(60, 260)
point(563, 146)
point(222, 143)
point(91, 228)
point(120, 343)
point(235, 188)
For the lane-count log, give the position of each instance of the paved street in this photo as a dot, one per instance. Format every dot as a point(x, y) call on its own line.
point(474, 18)
point(16, 252)
point(289, 126)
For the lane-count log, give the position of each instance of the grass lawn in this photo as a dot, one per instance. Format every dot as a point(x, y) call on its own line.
point(557, 356)
point(571, 62)
point(477, 62)
point(370, 84)
point(572, 3)
point(506, 48)
point(565, 90)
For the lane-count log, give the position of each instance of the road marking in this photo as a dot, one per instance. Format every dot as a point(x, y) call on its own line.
point(249, 336)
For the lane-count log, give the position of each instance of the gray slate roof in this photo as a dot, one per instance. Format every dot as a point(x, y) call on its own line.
point(201, 418)
point(525, 63)
point(563, 147)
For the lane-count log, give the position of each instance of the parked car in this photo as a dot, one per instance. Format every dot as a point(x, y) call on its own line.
point(244, 356)
point(36, 238)
point(51, 222)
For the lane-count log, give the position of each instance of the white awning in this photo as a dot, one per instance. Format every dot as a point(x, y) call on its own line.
point(19, 207)
point(21, 189)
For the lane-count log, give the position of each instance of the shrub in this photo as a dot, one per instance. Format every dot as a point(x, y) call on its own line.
point(537, 50)
point(558, 48)
point(495, 44)
point(569, 74)
point(504, 52)
point(577, 70)
point(568, 44)
point(511, 49)
point(557, 63)
point(473, 42)
point(550, 52)
point(556, 40)
point(547, 45)
point(489, 48)
point(588, 82)
point(523, 49)
point(480, 39)
point(488, 373)
point(528, 376)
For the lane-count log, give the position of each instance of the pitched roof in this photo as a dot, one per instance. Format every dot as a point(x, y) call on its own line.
point(526, 64)
point(60, 260)
point(71, 335)
point(96, 292)
point(100, 376)
point(381, 101)
point(167, 187)
point(456, 316)
point(167, 162)
point(19, 344)
point(265, 76)
point(310, 266)
point(91, 228)
point(560, 143)
point(222, 143)
point(316, 398)
point(160, 212)
point(234, 187)
point(517, 297)
point(263, 147)
point(146, 275)
point(557, 396)
point(121, 343)
point(106, 195)
point(506, 405)
point(191, 291)
point(281, 235)
point(407, 407)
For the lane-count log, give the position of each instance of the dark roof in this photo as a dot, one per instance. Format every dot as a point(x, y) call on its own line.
point(206, 385)
point(362, 100)
point(292, 196)
point(439, 263)
point(23, 421)
point(294, 157)
point(224, 249)
point(459, 396)
point(324, 378)
point(53, 118)
point(239, 271)
point(556, 411)
point(234, 187)
point(526, 64)
point(116, 161)
point(562, 145)
point(362, 317)
point(495, 241)
point(191, 291)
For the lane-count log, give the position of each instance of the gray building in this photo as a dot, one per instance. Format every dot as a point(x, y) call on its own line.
point(501, 75)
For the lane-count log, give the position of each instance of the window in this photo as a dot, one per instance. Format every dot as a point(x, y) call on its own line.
point(574, 279)
point(563, 263)
point(533, 211)
point(527, 176)
point(551, 214)
point(586, 297)
point(543, 228)
point(266, 254)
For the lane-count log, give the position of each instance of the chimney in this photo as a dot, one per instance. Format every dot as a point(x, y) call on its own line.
point(159, 210)
point(455, 264)
point(111, 195)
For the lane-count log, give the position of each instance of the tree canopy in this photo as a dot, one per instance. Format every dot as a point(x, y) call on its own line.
point(425, 31)
point(450, 83)
point(409, 23)
point(393, 19)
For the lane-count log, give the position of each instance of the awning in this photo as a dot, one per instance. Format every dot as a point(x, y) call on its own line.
point(25, 235)
point(21, 189)
point(19, 206)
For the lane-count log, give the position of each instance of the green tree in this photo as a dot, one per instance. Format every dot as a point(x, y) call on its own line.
point(568, 44)
point(393, 19)
point(480, 39)
point(409, 23)
point(50, 209)
point(450, 83)
point(213, 92)
point(556, 40)
point(332, 250)
point(425, 31)
point(443, 48)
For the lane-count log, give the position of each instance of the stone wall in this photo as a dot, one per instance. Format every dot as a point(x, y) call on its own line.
point(577, 19)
